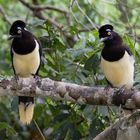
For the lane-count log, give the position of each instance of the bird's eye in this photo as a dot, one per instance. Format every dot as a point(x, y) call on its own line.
point(19, 31)
point(108, 33)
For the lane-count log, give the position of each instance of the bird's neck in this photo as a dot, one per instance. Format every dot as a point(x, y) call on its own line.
point(23, 45)
point(116, 41)
point(113, 50)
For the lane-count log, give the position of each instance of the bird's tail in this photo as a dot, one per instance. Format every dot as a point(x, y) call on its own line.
point(26, 109)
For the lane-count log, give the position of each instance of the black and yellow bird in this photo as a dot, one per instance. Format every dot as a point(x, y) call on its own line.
point(117, 61)
point(26, 58)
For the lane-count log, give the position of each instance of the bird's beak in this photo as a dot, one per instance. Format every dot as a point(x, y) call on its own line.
point(103, 39)
point(10, 37)
point(13, 36)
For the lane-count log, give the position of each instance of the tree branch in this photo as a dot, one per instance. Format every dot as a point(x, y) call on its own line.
point(39, 14)
point(127, 128)
point(45, 87)
point(43, 7)
point(5, 17)
point(70, 92)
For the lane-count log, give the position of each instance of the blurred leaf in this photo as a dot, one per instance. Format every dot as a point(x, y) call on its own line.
point(73, 30)
point(60, 117)
point(9, 130)
point(92, 63)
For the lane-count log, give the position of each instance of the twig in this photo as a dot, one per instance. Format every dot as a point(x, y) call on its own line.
point(86, 30)
point(77, 20)
point(4, 15)
point(40, 132)
point(42, 7)
point(94, 25)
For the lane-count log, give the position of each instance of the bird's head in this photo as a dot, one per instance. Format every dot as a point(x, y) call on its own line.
point(106, 32)
point(17, 29)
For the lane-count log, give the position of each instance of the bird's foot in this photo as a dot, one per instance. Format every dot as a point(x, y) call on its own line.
point(16, 82)
point(36, 77)
point(16, 78)
point(121, 89)
point(107, 88)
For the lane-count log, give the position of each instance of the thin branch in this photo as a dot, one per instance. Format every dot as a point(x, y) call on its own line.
point(42, 7)
point(90, 21)
point(86, 30)
point(77, 20)
point(70, 92)
point(40, 132)
point(4, 15)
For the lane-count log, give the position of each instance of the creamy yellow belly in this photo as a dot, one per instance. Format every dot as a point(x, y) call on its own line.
point(25, 65)
point(119, 73)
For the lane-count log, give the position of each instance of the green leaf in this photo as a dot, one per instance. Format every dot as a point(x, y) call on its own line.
point(60, 117)
point(73, 30)
point(9, 130)
point(92, 63)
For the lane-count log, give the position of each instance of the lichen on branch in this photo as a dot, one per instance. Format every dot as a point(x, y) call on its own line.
point(58, 90)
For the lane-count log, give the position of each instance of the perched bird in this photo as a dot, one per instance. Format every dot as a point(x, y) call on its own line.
point(117, 61)
point(26, 58)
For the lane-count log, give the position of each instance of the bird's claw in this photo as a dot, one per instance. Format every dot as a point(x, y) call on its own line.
point(121, 90)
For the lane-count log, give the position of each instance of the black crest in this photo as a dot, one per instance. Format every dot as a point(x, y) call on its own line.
point(105, 27)
point(17, 23)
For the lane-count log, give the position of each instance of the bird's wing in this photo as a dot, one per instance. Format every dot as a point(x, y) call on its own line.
point(40, 53)
point(11, 53)
point(128, 50)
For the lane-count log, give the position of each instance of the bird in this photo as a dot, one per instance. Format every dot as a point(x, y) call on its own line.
point(26, 52)
point(117, 61)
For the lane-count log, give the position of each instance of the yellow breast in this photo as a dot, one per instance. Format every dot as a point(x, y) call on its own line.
point(121, 72)
point(25, 65)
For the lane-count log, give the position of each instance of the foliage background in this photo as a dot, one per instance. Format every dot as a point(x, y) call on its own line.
point(71, 48)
